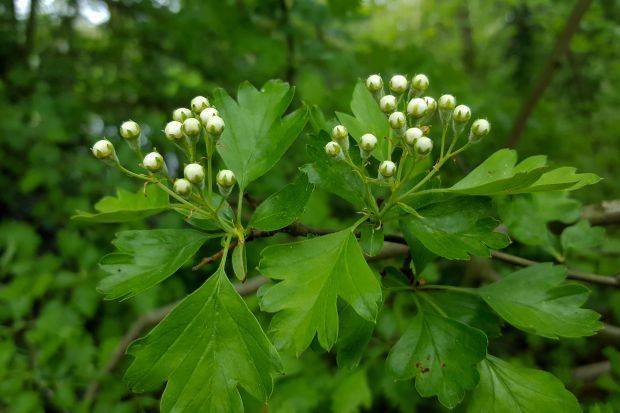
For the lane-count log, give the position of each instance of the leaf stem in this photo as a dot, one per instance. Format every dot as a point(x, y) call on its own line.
point(464, 290)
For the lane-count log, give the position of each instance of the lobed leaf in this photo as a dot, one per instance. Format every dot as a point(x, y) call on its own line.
point(126, 206)
point(506, 388)
point(208, 346)
point(313, 274)
point(537, 300)
point(284, 207)
point(147, 257)
point(256, 135)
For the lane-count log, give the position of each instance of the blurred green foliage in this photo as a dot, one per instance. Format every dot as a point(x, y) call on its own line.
point(66, 81)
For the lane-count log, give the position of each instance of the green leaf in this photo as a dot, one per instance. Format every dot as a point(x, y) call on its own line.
point(284, 207)
point(506, 388)
point(314, 273)
point(537, 300)
point(368, 119)
point(256, 134)
point(469, 309)
point(455, 229)
point(441, 354)
point(147, 257)
point(371, 239)
point(126, 206)
point(500, 174)
point(240, 262)
point(582, 236)
point(352, 393)
point(539, 208)
point(331, 175)
point(209, 344)
point(354, 334)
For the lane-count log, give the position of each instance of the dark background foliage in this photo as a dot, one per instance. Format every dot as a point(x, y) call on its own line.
point(72, 70)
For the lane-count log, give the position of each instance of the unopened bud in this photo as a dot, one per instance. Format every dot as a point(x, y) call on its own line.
point(182, 187)
point(416, 108)
point(225, 178)
point(387, 104)
point(420, 83)
point(446, 102)
point(479, 129)
point(181, 114)
point(423, 146)
point(431, 103)
point(174, 130)
point(199, 103)
point(215, 125)
point(194, 173)
point(103, 149)
point(387, 169)
point(208, 113)
point(397, 120)
point(130, 130)
point(153, 161)
point(398, 84)
point(333, 149)
point(191, 126)
point(374, 83)
point(461, 114)
point(412, 135)
point(339, 132)
point(368, 142)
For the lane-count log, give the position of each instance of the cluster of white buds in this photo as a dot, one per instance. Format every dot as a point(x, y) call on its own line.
point(225, 180)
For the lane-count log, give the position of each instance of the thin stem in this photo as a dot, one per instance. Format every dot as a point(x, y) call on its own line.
point(464, 290)
point(239, 205)
point(443, 139)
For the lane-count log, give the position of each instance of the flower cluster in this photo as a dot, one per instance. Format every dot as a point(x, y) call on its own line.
point(185, 130)
point(410, 115)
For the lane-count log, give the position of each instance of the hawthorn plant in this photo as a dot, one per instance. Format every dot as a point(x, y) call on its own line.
point(385, 159)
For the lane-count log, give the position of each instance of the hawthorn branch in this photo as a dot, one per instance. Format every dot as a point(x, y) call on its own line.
point(553, 62)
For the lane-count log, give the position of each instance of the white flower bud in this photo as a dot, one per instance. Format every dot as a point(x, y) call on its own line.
point(479, 129)
point(416, 108)
point(215, 125)
point(423, 146)
point(398, 84)
point(103, 149)
point(387, 169)
point(420, 83)
point(191, 126)
point(208, 113)
point(194, 173)
point(153, 161)
point(368, 142)
point(339, 133)
point(431, 103)
point(225, 178)
point(199, 103)
point(397, 120)
point(333, 149)
point(174, 130)
point(461, 114)
point(182, 187)
point(447, 102)
point(130, 130)
point(412, 135)
point(374, 83)
point(181, 114)
point(387, 104)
